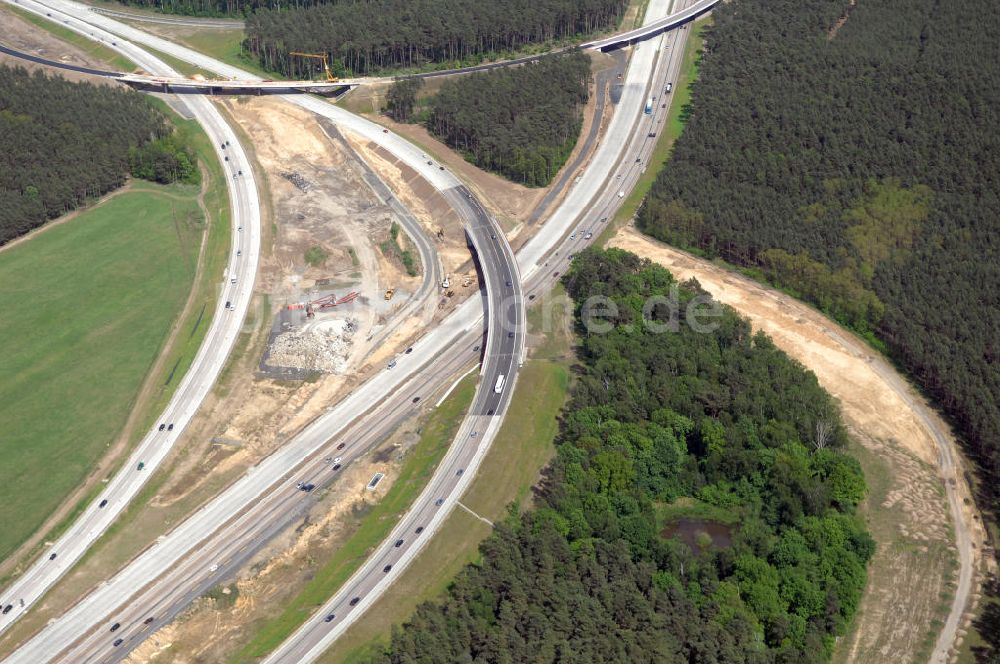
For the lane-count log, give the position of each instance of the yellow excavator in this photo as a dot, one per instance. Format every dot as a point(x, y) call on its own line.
point(319, 56)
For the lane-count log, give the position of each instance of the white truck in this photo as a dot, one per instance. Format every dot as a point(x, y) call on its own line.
point(498, 387)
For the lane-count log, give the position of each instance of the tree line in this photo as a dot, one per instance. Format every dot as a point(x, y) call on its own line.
point(857, 167)
point(220, 8)
point(719, 420)
point(62, 143)
point(521, 122)
point(366, 37)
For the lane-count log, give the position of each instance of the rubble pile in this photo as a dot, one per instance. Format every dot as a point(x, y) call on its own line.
point(321, 346)
point(297, 180)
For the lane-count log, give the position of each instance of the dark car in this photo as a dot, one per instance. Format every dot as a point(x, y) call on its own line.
point(439, 502)
point(148, 620)
point(330, 617)
point(416, 399)
point(162, 427)
point(459, 472)
point(337, 466)
point(341, 446)
point(115, 626)
point(52, 557)
point(399, 543)
point(355, 601)
point(117, 642)
point(385, 570)
point(509, 283)
point(510, 335)
point(7, 609)
point(103, 503)
point(170, 427)
point(419, 530)
point(409, 350)
point(490, 411)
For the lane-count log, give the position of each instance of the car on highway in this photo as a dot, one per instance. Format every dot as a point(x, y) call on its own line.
point(419, 530)
point(621, 194)
point(52, 557)
point(214, 567)
point(103, 503)
point(228, 304)
point(386, 569)
point(330, 617)
point(142, 464)
point(170, 427)
point(338, 459)
point(398, 543)
point(115, 626)
point(162, 427)
point(7, 609)
point(391, 364)
point(572, 236)
point(439, 502)
point(416, 399)
point(341, 446)
point(239, 252)
point(510, 283)
point(588, 235)
point(336, 466)
point(473, 434)
point(409, 350)
point(458, 473)
point(354, 601)
point(118, 642)
point(149, 620)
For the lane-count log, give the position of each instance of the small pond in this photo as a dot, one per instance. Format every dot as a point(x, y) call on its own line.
point(700, 534)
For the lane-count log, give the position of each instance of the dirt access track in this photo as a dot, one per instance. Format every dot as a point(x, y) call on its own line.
point(907, 452)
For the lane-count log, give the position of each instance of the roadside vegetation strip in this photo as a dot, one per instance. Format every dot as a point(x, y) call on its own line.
point(523, 446)
point(85, 44)
point(679, 110)
point(87, 307)
point(417, 469)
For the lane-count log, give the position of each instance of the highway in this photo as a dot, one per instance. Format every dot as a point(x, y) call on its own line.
point(236, 290)
point(502, 355)
point(542, 261)
point(239, 518)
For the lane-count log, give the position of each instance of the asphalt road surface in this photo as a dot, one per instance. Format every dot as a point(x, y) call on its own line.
point(224, 328)
point(504, 304)
point(160, 557)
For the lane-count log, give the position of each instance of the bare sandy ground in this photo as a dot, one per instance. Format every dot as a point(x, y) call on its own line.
point(912, 578)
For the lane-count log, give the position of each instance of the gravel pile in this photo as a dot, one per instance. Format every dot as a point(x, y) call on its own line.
point(321, 346)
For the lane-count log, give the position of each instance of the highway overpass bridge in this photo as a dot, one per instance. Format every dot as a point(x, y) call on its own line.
point(182, 85)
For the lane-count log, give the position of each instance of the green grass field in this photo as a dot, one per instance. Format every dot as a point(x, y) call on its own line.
point(87, 306)
point(419, 466)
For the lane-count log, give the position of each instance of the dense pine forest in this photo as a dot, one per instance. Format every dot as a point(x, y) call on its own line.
point(221, 7)
point(521, 122)
point(365, 37)
point(857, 166)
point(659, 425)
point(62, 143)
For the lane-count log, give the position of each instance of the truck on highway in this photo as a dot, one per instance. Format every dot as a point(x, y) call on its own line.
point(649, 106)
point(499, 384)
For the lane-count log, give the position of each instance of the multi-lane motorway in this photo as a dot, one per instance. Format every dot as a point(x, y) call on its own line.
point(228, 529)
point(236, 290)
